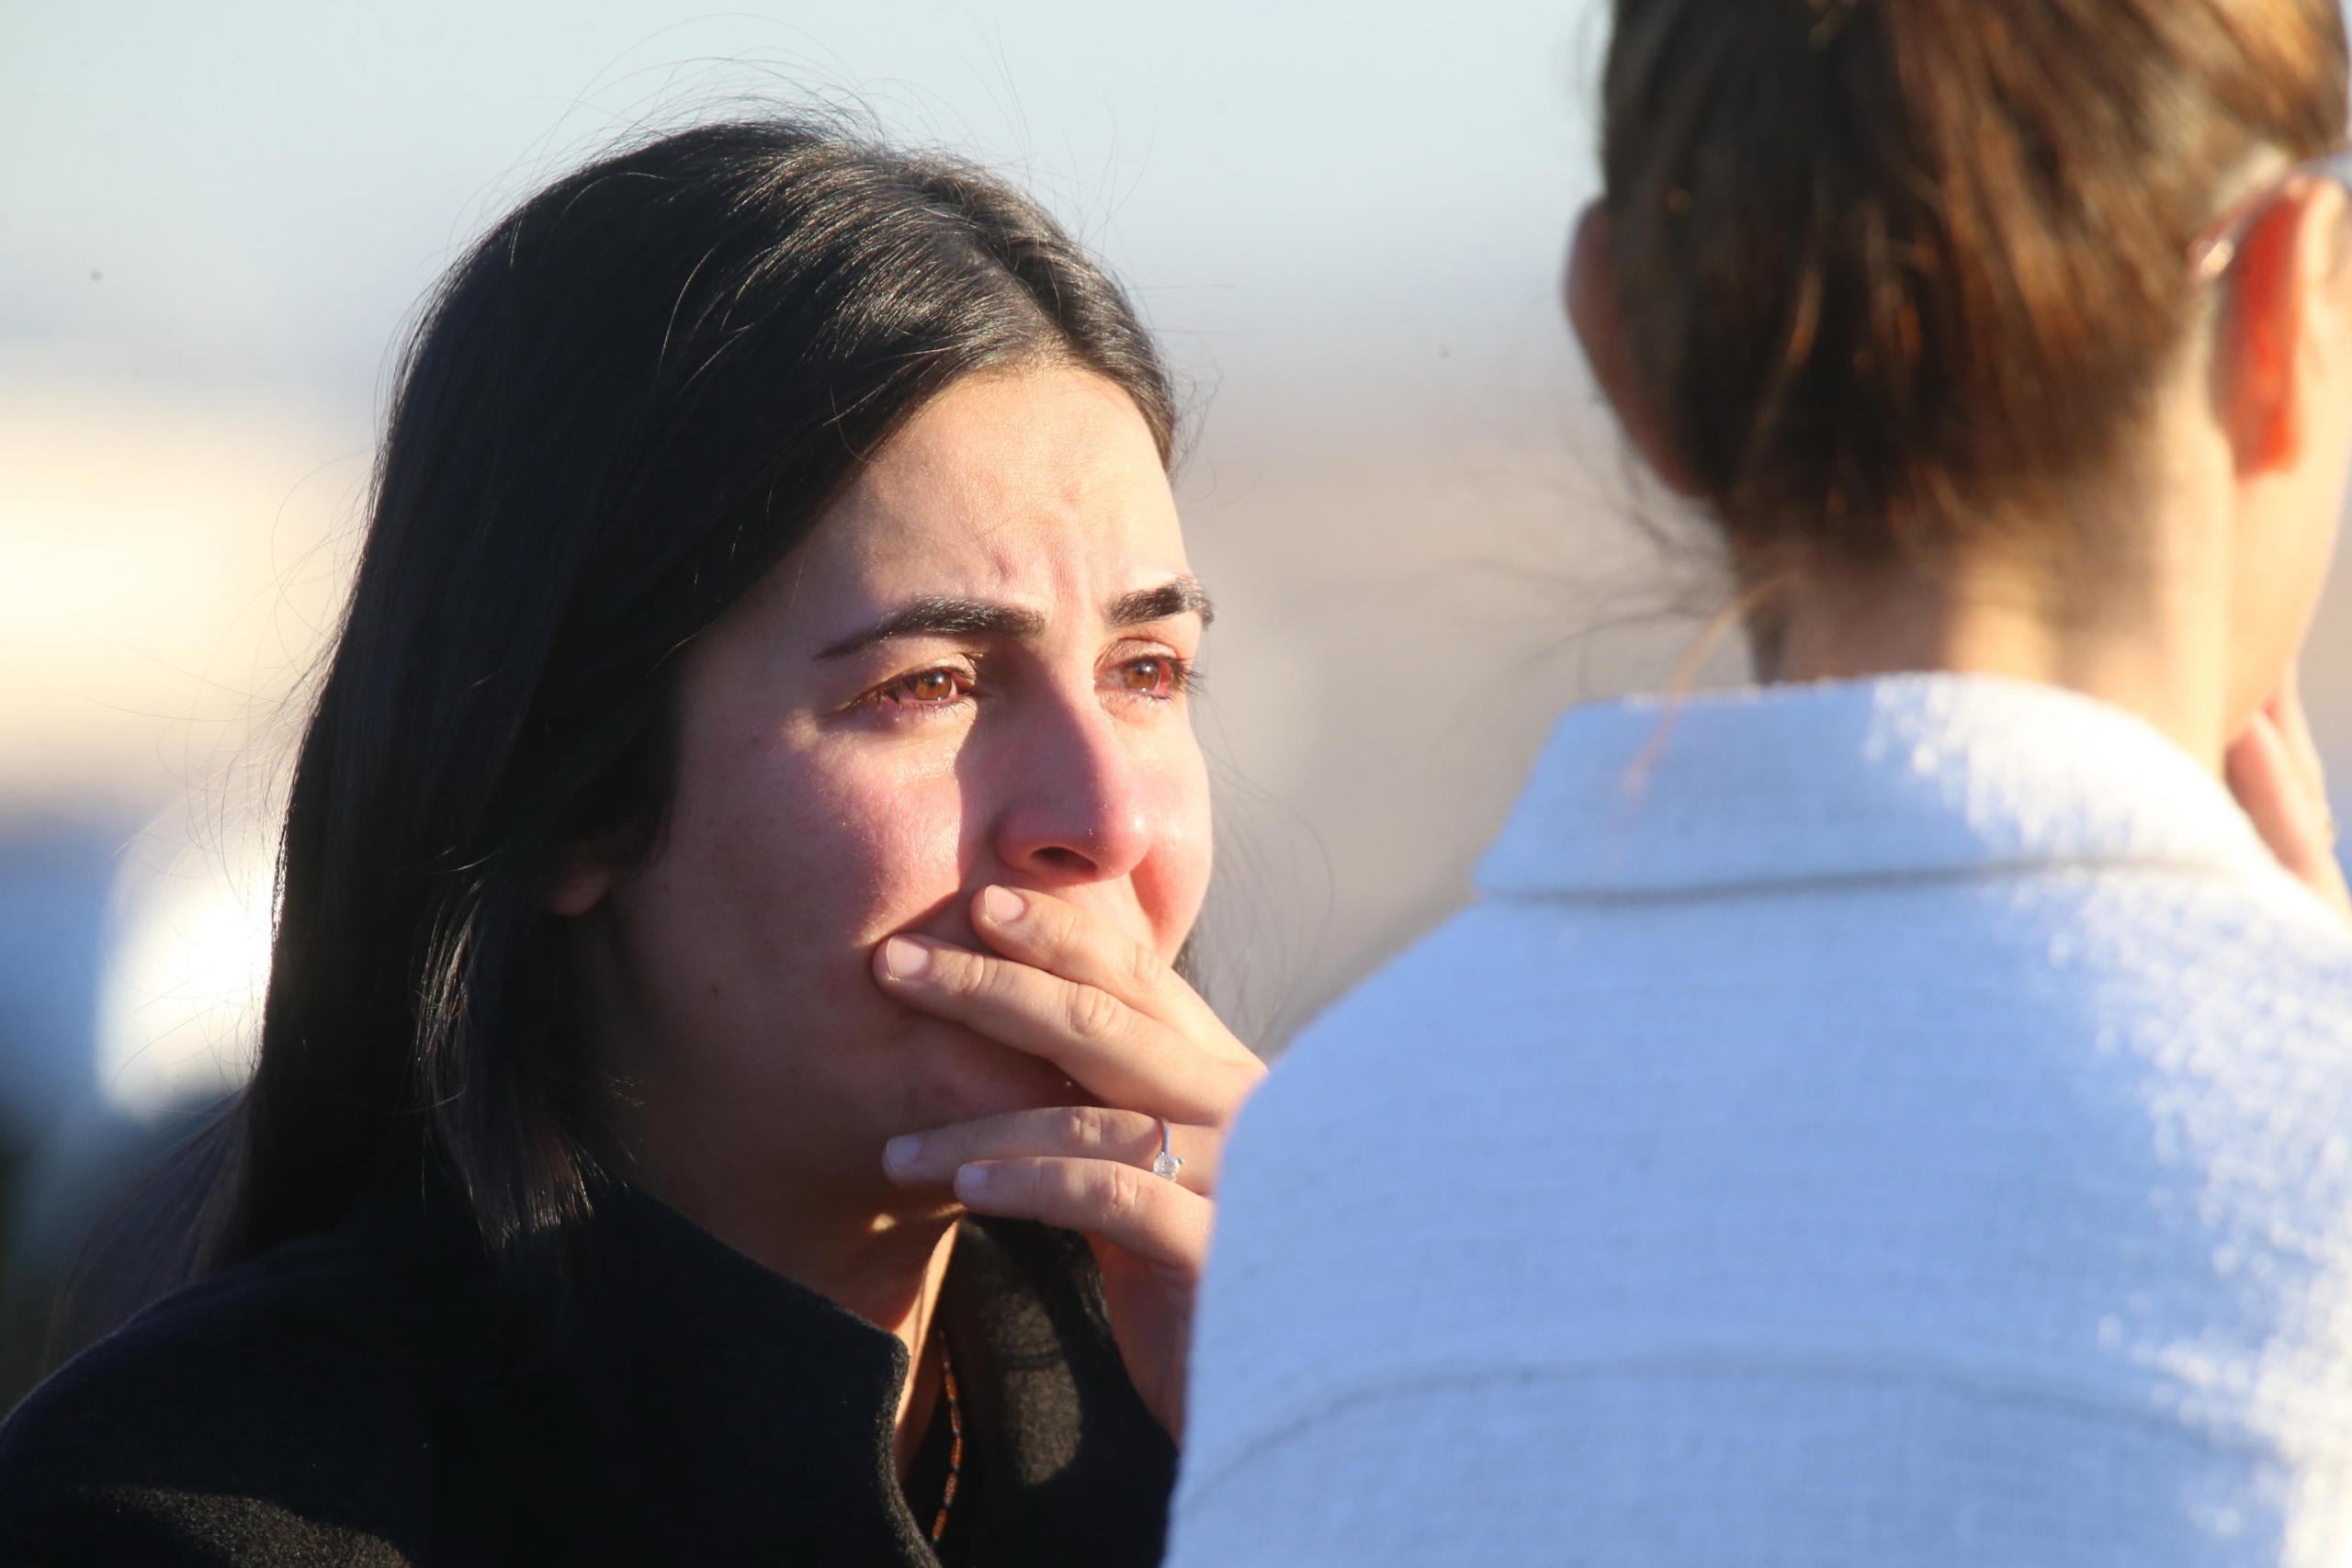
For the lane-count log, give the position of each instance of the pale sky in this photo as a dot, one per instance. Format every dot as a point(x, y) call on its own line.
point(264, 188)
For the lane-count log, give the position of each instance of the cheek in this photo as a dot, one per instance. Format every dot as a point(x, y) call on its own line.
point(1174, 878)
point(889, 831)
point(2295, 574)
point(784, 864)
point(857, 841)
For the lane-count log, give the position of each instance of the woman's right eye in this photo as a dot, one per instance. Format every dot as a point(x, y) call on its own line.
point(926, 688)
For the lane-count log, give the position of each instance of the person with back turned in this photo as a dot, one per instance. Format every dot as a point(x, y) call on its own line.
point(1900, 1114)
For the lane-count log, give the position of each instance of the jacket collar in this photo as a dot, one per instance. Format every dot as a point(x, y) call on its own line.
point(1896, 776)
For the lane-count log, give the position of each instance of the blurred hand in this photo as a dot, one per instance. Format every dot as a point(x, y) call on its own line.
point(1068, 986)
point(2274, 770)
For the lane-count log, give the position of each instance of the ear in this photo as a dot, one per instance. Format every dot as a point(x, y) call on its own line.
point(2262, 374)
point(1596, 309)
point(577, 882)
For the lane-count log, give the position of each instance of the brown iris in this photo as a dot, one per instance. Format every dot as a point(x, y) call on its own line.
point(1149, 676)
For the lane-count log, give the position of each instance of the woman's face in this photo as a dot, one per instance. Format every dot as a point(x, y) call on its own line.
point(973, 671)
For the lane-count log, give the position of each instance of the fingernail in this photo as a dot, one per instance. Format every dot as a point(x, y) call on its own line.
point(1003, 905)
point(905, 958)
point(971, 1180)
point(900, 1151)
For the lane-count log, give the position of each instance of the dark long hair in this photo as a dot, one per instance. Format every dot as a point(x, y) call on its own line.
point(625, 405)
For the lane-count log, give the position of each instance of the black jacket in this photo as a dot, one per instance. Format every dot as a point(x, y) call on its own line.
point(370, 1396)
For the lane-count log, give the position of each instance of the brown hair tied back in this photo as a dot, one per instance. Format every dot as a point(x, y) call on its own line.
point(1893, 270)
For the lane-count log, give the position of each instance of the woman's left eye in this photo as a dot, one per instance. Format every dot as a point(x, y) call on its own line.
point(1154, 676)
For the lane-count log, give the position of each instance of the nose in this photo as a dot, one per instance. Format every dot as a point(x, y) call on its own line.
point(1075, 804)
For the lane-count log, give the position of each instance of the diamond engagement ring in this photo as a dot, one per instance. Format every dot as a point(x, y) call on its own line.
point(1165, 1165)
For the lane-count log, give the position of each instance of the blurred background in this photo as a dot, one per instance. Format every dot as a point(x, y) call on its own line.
point(1346, 220)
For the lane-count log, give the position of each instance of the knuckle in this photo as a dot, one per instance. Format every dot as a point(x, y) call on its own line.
point(1146, 970)
point(1058, 923)
point(992, 980)
point(1081, 1126)
point(957, 971)
point(1094, 1014)
point(1122, 1191)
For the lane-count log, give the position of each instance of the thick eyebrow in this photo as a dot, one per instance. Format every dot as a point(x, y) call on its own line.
point(942, 617)
point(1184, 596)
point(948, 616)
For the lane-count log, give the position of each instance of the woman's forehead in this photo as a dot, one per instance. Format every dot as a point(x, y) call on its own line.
point(1045, 486)
point(1049, 448)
